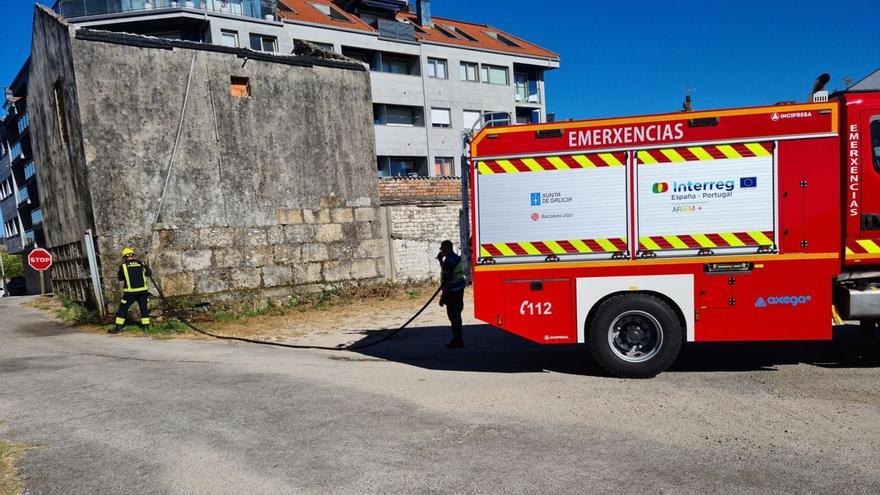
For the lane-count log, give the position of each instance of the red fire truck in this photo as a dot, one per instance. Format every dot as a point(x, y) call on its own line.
point(633, 235)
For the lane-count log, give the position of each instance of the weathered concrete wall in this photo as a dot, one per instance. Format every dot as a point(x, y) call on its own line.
point(56, 137)
point(268, 195)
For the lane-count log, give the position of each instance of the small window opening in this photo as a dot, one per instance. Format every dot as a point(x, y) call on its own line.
point(241, 87)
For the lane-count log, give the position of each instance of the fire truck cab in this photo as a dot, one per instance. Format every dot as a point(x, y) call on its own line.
point(634, 235)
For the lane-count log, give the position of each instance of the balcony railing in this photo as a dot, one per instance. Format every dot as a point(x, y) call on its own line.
point(83, 8)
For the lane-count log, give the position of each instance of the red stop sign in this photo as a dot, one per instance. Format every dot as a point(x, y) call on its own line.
point(40, 259)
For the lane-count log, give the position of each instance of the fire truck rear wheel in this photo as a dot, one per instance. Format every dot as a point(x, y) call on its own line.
point(635, 336)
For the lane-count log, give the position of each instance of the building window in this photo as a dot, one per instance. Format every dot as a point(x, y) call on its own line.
point(262, 43)
point(240, 87)
point(331, 12)
point(444, 167)
point(6, 188)
point(400, 116)
point(395, 166)
point(229, 38)
point(29, 170)
point(437, 68)
point(493, 74)
point(504, 40)
point(395, 65)
point(36, 217)
point(16, 151)
point(23, 195)
point(441, 117)
point(328, 47)
point(22, 123)
point(469, 72)
point(495, 119)
point(11, 228)
point(473, 119)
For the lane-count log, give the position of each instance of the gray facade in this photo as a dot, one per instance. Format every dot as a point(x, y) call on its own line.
point(258, 206)
point(428, 114)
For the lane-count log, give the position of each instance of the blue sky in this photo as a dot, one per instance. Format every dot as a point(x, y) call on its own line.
point(624, 58)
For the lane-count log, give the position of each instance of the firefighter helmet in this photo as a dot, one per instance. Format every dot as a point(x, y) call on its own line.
point(127, 252)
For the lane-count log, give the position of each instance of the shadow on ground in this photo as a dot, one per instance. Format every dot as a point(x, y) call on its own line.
point(492, 350)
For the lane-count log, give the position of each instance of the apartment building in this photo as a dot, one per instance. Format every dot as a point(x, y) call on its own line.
point(433, 79)
point(19, 197)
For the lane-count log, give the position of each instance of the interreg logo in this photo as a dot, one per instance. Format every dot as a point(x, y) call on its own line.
point(708, 185)
point(536, 199)
point(792, 301)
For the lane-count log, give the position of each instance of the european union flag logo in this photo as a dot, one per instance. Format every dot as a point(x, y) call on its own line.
point(536, 199)
point(747, 182)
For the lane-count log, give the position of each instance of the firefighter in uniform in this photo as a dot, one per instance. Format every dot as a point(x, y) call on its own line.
point(133, 274)
point(452, 284)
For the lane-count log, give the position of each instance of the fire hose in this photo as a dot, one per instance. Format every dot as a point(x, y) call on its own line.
point(176, 314)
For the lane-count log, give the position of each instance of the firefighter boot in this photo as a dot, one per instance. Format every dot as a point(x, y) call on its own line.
point(117, 329)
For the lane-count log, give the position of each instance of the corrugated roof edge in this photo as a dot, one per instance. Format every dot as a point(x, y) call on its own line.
point(166, 44)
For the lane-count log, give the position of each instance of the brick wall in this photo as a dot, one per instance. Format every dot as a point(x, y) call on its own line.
point(408, 189)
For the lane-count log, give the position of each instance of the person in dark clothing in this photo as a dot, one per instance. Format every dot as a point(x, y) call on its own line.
point(133, 274)
point(452, 284)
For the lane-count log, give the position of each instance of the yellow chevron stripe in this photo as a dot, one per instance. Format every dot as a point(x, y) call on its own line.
point(732, 239)
point(645, 157)
point(701, 153)
point(583, 161)
point(558, 163)
point(505, 251)
point(507, 166)
point(757, 149)
point(728, 151)
point(554, 247)
point(529, 248)
point(673, 155)
point(610, 159)
point(580, 246)
point(484, 169)
point(606, 244)
point(649, 244)
point(869, 245)
point(703, 241)
point(484, 253)
point(849, 251)
point(533, 164)
point(763, 240)
point(675, 241)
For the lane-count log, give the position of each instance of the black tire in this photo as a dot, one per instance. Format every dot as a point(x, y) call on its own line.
point(635, 336)
point(868, 329)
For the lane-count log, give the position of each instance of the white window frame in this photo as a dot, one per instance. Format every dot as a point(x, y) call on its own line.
point(434, 63)
point(486, 77)
point(463, 67)
point(228, 32)
point(441, 117)
point(478, 121)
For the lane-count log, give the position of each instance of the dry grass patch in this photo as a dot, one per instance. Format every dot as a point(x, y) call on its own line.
point(10, 453)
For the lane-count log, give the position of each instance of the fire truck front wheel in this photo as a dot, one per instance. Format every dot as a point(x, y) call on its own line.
point(635, 336)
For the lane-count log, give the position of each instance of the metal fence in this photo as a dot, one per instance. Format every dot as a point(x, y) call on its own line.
point(83, 8)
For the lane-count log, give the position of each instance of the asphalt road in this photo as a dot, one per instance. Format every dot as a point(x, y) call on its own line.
point(126, 415)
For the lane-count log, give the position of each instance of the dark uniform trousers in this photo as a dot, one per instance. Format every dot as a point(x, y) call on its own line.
point(130, 298)
point(454, 306)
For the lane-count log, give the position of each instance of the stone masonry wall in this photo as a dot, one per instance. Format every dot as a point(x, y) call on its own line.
point(421, 213)
point(269, 195)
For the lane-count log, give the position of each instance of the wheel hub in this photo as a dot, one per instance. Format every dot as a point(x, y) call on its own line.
point(635, 336)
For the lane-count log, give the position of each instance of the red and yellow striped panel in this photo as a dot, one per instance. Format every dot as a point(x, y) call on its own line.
point(545, 163)
point(708, 241)
point(862, 248)
point(704, 153)
point(546, 248)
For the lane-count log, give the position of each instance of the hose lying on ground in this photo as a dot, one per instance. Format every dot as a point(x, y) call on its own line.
point(176, 314)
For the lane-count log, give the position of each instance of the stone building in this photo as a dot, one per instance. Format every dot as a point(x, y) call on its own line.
point(241, 175)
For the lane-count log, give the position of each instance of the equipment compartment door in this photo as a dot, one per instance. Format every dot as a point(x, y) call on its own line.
point(712, 197)
point(540, 310)
point(563, 206)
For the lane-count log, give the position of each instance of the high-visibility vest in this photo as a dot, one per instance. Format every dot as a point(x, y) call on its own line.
point(458, 281)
